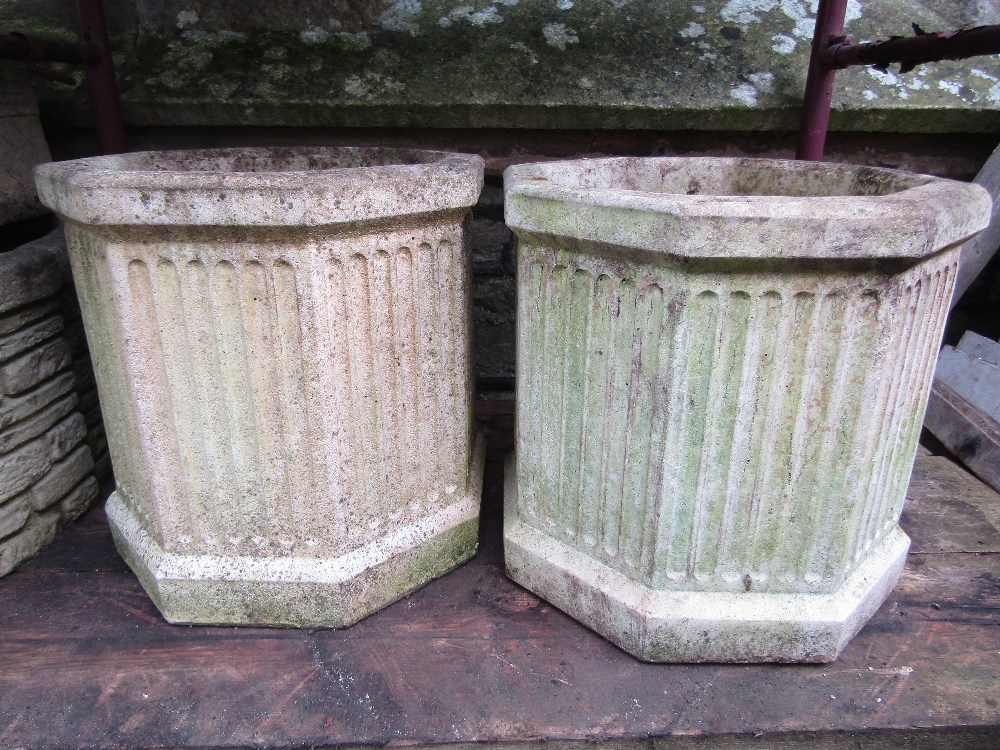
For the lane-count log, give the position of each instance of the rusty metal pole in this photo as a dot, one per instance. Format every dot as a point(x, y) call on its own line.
point(101, 81)
point(912, 51)
point(819, 82)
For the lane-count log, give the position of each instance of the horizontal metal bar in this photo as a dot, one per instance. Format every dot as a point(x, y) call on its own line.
point(914, 50)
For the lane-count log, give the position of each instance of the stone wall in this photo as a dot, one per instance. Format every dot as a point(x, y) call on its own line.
point(630, 64)
point(46, 466)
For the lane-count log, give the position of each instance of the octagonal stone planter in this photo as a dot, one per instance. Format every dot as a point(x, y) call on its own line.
point(722, 369)
point(282, 345)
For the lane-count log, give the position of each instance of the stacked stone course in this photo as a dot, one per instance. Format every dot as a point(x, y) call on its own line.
point(49, 417)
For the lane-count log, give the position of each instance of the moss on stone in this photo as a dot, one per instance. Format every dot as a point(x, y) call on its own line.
point(714, 64)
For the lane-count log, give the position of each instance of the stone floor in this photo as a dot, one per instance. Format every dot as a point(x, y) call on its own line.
point(86, 661)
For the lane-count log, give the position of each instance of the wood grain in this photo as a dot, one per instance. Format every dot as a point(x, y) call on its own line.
point(86, 661)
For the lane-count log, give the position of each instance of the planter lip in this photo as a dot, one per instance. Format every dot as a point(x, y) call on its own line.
point(272, 186)
point(590, 199)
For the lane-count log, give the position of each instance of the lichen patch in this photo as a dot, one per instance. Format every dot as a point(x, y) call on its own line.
point(558, 35)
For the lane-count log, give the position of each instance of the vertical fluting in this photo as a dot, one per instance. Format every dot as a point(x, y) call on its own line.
point(409, 373)
point(530, 327)
point(151, 394)
point(685, 504)
point(292, 410)
point(574, 413)
point(171, 313)
point(717, 436)
point(107, 335)
point(722, 431)
point(640, 425)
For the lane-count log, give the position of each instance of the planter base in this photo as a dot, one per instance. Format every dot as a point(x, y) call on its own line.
point(301, 591)
point(678, 626)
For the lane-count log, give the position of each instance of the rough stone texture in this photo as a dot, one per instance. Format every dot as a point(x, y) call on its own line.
point(83, 372)
point(27, 275)
point(45, 445)
point(13, 515)
point(711, 64)
point(42, 362)
point(35, 535)
point(22, 146)
point(723, 366)
point(283, 352)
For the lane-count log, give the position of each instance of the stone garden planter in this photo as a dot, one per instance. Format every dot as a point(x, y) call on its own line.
point(722, 368)
point(282, 344)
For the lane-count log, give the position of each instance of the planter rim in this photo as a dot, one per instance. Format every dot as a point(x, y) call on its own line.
point(591, 200)
point(276, 186)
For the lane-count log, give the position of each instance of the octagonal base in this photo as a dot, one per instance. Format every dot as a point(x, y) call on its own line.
point(301, 591)
point(678, 626)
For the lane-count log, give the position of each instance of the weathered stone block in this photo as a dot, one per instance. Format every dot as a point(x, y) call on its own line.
point(66, 436)
point(282, 348)
point(20, 318)
point(61, 478)
point(24, 339)
point(722, 370)
point(34, 425)
point(30, 273)
point(30, 369)
point(79, 500)
point(23, 466)
point(34, 536)
point(13, 515)
point(15, 408)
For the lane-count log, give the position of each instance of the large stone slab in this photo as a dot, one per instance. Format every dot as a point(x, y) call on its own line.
point(282, 349)
point(723, 367)
point(707, 65)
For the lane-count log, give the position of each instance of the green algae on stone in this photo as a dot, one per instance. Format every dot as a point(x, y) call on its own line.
point(714, 64)
point(722, 367)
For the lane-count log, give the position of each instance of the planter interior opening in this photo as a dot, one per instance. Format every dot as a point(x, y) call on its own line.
point(266, 160)
point(728, 177)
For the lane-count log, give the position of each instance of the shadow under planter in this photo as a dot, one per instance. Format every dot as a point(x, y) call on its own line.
point(282, 348)
point(722, 369)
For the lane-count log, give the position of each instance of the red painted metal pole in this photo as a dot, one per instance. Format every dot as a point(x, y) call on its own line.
point(101, 82)
point(819, 82)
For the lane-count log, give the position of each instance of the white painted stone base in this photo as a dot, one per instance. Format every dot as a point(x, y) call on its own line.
point(301, 591)
point(698, 626)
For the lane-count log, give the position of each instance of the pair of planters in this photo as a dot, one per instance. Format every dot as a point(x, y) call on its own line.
point(722, 369)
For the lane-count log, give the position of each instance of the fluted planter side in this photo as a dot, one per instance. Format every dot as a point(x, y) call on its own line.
point(289, 405)
point(701, 416)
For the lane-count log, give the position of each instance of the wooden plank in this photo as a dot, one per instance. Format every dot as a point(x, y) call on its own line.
point(968, 433)
point(968, 738)
point(976, 253)
point(949, 510)
point(975, 380)
point(980, 347)
point(318, 690)
point(948, 588)
point(473, 659)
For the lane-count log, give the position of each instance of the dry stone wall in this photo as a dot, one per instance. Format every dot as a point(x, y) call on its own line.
point(49, 417)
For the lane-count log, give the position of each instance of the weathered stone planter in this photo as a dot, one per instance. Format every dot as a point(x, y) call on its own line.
point(282, 343)
point(722, 366)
